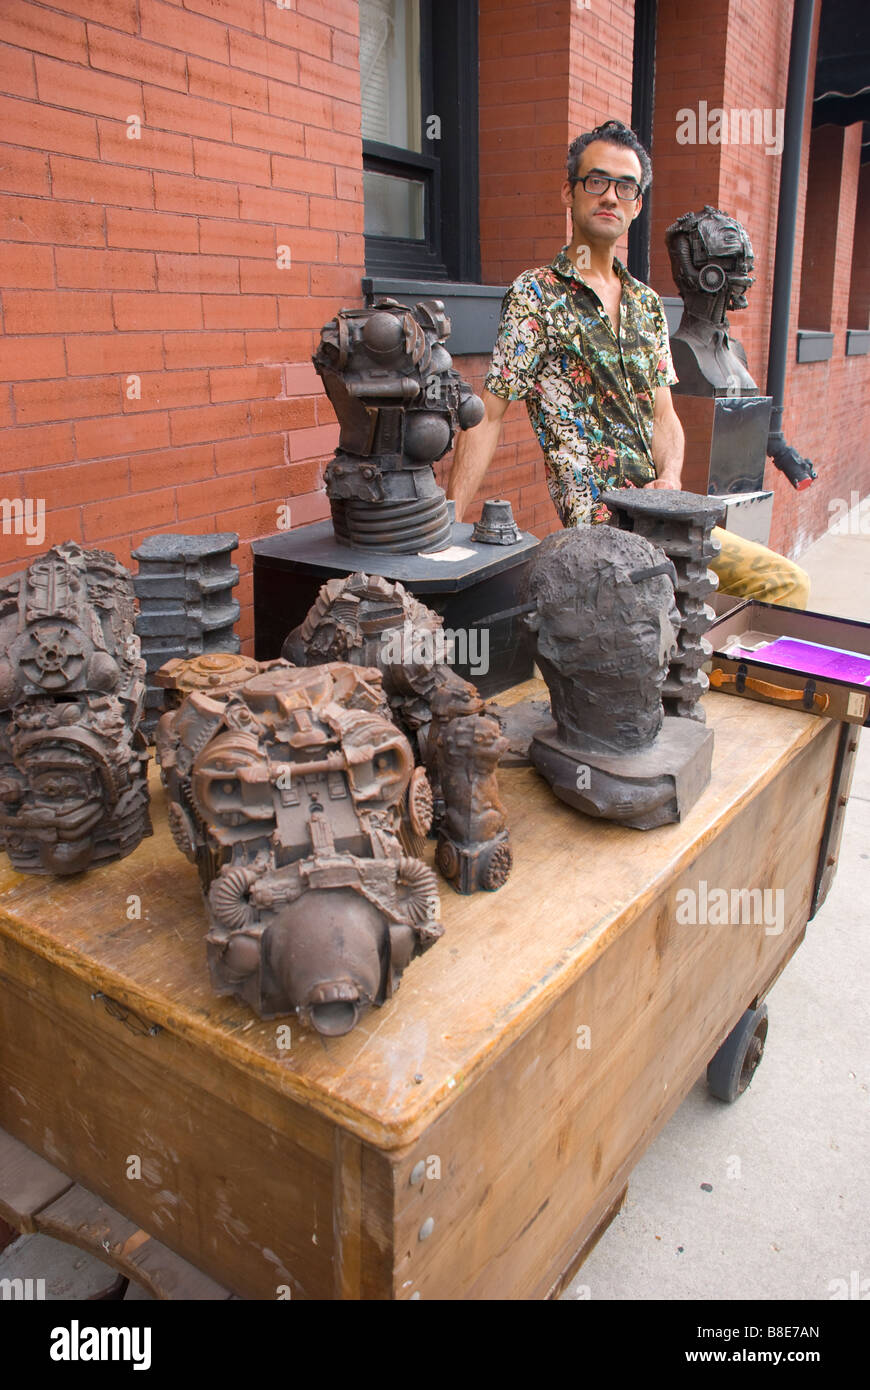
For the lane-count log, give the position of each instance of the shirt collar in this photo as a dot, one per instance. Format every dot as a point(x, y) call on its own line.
point(564, 266)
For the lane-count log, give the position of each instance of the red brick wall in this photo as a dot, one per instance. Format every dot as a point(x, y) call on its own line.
point(859, 297)
point(819, 260)
point(155, 258)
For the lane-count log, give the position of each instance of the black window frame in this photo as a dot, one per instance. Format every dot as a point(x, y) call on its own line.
point(449, 166)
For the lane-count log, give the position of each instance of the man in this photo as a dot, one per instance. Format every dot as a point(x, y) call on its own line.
point(586, 346)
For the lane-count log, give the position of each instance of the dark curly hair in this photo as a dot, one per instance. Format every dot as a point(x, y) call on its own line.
point(615, 133)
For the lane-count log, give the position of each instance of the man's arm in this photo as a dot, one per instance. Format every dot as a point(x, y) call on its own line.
point(474, 452)
point(668, 442)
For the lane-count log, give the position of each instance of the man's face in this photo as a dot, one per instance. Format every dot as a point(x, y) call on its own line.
point(602, 217)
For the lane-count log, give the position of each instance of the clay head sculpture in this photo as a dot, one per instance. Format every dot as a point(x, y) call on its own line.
point(605, 627)
point(286, 787)
point(73, 762)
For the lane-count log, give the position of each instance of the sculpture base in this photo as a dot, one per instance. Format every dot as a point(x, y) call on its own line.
point(472, 868)
point(653, 787)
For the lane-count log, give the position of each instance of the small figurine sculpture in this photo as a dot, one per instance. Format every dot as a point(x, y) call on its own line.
point(605, 627)
point(370, 621)
point(286, 788)
point(73, 760)
point(682, 524)
point(712, 262)
point(398, 399)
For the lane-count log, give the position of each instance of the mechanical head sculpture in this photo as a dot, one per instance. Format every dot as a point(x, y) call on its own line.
point(73, 762)
point(605, 626)
point(399, 401)
point(712, 262)
point(370, 621)
point(287, 787)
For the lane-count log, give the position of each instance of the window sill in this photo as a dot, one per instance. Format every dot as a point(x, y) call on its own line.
point(814, 346)
point(474, 310)
point(857, 342)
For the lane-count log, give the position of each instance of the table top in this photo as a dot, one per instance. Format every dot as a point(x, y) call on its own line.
point(577, 883)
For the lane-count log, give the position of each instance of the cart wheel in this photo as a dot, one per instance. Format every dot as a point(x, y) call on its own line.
point(734, 1065)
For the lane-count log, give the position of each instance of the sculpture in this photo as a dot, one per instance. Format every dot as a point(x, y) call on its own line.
point(286, 787)
point(398, 399)
point(73, 760)
point(186, 607)
point(371, 621)
point(711, 261)
point(605, 627)
point(682, 524)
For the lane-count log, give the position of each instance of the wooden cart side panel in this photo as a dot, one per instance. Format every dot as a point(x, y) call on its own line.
point(363, 1219)
point(532, 1155)
point(241, 1184)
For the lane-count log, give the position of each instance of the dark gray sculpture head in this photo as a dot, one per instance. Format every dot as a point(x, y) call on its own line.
point(399, 400)
point(712, 262)
point(604, 627)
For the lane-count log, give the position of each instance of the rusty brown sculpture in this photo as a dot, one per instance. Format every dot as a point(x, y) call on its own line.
point(73, 761)
point(370, 621)
point(287, 787)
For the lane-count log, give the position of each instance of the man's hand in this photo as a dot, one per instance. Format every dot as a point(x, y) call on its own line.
point(474, 453)
point(666, 480)
point(668, 442)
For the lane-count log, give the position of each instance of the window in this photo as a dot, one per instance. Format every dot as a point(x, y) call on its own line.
point(418, 74)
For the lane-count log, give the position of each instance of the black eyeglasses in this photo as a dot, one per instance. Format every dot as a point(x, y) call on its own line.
point(626, 189)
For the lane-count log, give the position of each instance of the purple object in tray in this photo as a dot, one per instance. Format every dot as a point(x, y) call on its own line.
point(811, 659)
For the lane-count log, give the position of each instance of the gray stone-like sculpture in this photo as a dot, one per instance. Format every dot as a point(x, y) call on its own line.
point(605, 627)
point(681, 523)
point(398, 399)
point(185, 606)
point(496, 525)
point(712, 262)
point(73, 760)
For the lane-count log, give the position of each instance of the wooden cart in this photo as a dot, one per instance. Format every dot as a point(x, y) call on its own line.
point(472, 1138)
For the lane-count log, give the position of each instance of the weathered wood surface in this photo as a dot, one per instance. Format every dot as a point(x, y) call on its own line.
point(576, 887)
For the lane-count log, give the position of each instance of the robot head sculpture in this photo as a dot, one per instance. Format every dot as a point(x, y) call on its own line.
point(605, 626)
point(371, 621)
point(73, 762)
point(287, 789)
point(711, 261)
point(398, 399)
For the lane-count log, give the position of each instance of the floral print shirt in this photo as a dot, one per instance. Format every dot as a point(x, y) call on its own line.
point(590, 395)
